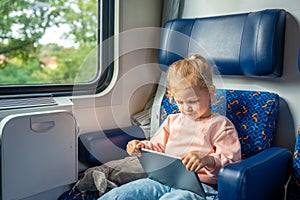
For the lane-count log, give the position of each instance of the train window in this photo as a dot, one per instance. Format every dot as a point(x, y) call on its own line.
point(53, 47)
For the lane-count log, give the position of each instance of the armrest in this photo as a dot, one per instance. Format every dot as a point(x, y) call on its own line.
point(262, 176)
point(100, 147)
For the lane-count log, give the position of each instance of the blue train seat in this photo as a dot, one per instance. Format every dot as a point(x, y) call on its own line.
point(246, 44)
point(294, 184)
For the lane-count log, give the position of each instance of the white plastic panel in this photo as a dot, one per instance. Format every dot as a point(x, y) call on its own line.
point(38, 153)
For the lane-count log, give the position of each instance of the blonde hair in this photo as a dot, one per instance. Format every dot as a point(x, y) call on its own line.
point(192, 72)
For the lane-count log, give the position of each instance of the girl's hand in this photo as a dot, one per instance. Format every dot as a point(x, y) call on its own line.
point(194, 161)
point(133, 147)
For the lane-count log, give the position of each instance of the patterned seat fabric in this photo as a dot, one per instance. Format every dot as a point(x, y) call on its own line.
point(254, 114)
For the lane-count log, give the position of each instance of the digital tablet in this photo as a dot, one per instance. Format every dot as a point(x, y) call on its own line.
point(170, 170)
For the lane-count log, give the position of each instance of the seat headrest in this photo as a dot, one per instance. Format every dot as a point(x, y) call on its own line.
point(238, 44)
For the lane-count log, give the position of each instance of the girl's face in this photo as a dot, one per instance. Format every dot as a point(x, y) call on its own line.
point(193, 103)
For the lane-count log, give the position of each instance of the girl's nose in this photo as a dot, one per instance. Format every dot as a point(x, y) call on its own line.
point(188, 108)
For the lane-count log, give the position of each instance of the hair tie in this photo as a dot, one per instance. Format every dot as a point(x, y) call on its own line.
point(193, 57)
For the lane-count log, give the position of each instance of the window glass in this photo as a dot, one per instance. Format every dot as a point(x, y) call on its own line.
point(50, 44)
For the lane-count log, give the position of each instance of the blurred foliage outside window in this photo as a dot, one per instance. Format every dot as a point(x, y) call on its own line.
point(48, 41)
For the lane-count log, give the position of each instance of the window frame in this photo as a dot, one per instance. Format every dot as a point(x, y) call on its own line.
point(106, 26)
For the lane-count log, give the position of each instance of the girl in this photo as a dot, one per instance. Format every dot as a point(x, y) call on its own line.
point(204, 140)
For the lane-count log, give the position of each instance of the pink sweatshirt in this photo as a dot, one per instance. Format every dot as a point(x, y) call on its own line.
point(215, 135)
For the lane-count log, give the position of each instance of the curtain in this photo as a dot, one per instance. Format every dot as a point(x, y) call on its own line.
point(171, 10)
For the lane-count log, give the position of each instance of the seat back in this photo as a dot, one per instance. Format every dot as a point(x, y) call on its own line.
point(254, 114)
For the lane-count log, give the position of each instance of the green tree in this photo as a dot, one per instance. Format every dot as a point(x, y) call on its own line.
point(24, 22)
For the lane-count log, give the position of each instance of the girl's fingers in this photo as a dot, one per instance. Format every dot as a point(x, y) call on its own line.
point(193, 162)
point(133, 148)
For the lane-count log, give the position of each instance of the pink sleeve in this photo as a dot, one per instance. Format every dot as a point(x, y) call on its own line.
point(159, 140)
point(227, 147)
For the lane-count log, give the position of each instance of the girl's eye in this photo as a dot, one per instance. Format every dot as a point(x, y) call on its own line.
point(193, 102)
point(188, 102)
point(179, 102)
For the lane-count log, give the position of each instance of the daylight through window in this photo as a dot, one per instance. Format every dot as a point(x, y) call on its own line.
point(49, 42)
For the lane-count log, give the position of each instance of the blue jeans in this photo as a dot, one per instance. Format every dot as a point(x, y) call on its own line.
point(147, 189)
